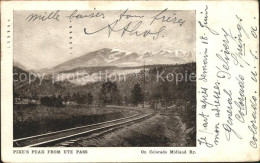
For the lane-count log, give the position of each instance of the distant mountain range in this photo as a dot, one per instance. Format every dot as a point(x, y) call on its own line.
point(93, 68)
point(119, 58)
point(116, 61)
point(114, 57)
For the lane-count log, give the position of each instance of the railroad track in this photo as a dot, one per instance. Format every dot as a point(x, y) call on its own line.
point(52, 138)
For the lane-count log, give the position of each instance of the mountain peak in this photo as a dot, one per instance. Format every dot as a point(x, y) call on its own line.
point(103, 50)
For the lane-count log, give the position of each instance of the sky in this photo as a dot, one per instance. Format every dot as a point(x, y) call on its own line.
point(45, 44)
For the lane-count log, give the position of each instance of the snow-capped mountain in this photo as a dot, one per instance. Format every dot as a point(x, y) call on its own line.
point(119, 58)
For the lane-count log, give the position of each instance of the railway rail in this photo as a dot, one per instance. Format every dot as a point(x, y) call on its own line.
point(52, 138)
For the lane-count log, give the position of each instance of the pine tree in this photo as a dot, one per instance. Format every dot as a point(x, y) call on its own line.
point(109, 94)
point(137, 95)
point(89, 98)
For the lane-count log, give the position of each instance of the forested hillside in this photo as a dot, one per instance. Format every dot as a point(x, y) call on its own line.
point(164, 84)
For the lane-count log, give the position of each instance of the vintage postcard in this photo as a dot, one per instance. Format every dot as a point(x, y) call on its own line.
point(129, 81)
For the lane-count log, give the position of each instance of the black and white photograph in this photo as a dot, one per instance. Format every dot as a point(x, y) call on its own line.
point(130, 81)
point(104, 78)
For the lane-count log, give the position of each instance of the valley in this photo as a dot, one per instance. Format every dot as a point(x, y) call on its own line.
point(79, 92)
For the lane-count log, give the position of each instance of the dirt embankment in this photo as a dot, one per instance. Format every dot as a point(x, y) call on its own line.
point(157, 131)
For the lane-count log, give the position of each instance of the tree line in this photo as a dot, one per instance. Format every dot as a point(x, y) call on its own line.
point(108, 95)
point(60, 101)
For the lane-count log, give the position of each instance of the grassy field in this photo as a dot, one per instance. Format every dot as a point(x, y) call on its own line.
point(34, 120)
